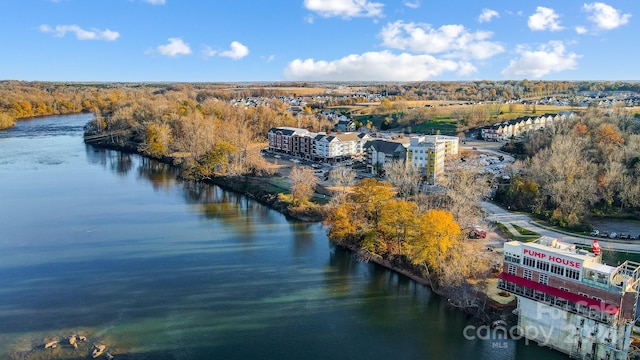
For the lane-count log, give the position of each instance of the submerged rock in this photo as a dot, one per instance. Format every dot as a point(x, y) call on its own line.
point(98, 350)
point(73, 341)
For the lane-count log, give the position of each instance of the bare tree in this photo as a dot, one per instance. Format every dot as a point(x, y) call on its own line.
point(465, 188)
point(405, 177)
point(343, 177)
point(566, 177)
point(303, 183)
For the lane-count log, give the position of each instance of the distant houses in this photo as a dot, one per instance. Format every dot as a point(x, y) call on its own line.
point(522, 125)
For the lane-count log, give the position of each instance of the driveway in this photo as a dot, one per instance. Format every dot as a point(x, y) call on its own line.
point(507, 217)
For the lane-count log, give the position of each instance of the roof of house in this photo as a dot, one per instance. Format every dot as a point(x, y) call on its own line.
point(348, 137)
point(387, 147)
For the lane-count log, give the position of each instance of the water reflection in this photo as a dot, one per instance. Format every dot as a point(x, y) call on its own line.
point(162, 176)
point(160, 268)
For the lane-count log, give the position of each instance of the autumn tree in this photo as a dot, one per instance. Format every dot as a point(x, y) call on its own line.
point(340, 223)
point(158, 140)
point(436, 232)
point(371, 195)
point(303, 182)
point(398, 224)
point(6, 121)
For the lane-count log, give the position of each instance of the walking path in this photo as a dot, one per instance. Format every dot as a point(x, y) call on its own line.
point(507, 218)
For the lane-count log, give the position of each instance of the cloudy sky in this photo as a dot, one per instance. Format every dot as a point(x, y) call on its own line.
point(316, 40)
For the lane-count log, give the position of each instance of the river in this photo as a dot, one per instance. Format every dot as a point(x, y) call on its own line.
point(114, 247)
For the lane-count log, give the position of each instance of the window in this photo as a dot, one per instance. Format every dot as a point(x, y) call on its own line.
point(511, 269)
point(527, 274)
point(564, 289)
point(544, 279)
point(597, 298)
point(527, 261)
point(583, 294)
point(572, 274)
point(556, 269)
point(542, 265)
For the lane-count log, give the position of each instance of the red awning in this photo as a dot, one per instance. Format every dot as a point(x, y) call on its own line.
point(579, 299)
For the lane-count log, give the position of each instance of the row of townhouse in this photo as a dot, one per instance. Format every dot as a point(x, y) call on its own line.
point(522, 125)
point(316, 146)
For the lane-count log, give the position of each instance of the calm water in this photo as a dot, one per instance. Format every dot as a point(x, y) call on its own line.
point(113, 246)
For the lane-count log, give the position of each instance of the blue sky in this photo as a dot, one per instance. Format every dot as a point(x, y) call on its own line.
point(318, 40)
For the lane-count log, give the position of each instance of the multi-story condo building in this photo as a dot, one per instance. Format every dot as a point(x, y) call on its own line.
point(569, 300)
point(450, 143)
point(339, 146)
point(316, 146)
point(280, 139)
point(428, 156)
point(379, 152)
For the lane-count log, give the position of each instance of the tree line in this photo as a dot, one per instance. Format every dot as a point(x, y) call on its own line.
point(586, 167)
point(408, 232)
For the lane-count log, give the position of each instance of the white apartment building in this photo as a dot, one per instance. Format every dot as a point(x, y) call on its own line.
point(428, 156)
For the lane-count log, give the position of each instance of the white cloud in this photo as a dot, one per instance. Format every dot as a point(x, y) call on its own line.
point(605, 16)
point(548, 58)
point(344, 8)
point(412, 4)
point(155, 2)
point(373, 66)
point(237, 51)
point(81, 34)
point(488, 15)
point(174, 48)
point(544, 19)
point(268, 58)
point(207, 51)
point(581, 30)
point(453, 41)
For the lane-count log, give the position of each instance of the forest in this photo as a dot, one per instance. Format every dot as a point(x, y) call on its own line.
point(586, 167)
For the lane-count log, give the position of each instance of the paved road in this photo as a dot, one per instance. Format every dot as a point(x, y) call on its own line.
point(507, 217)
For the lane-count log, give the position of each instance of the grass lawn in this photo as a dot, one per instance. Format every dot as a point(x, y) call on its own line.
point(524, 231)
point(506, 233)
point(442, 125)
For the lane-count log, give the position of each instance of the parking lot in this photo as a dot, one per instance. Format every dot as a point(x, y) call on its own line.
point(617, 229)
point(284, 163)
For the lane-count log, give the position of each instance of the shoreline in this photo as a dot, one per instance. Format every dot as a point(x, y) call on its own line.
point(255, 188)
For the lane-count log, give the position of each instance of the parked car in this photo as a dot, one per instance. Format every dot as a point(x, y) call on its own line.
point(604, 234)
point(613, 235)
point(625, 236)
point(595, 232)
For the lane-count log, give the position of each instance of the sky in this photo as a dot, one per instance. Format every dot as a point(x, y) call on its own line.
point(318, 40)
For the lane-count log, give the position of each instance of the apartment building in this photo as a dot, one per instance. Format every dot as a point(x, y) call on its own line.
point(428, 155)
